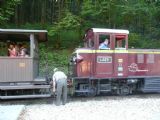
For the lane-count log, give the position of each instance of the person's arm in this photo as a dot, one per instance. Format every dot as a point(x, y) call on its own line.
point(12, 52)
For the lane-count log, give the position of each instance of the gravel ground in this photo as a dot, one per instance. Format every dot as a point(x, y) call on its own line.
point(10, 112)
point(135, 107)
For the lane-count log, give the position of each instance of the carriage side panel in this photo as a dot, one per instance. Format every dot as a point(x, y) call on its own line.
point(16, 69)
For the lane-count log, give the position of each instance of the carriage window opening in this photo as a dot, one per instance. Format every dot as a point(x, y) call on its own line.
point(104, 41)
point(19, 49)
point(14, 49)
point(3, 49)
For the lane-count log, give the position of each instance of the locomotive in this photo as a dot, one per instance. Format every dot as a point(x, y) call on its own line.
point(117, 69)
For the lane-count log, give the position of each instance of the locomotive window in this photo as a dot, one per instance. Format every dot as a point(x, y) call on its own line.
point(140, 58)
point(150, 58)
point(102, 41)
point(120, 41)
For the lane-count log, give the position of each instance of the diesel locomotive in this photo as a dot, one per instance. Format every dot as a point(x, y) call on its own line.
point(116, 69)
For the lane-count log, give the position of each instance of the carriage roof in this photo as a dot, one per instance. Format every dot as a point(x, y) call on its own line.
point(102, 30)
point(20, 34)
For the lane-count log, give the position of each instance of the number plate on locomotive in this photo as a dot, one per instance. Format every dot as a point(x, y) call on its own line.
point(104, 59)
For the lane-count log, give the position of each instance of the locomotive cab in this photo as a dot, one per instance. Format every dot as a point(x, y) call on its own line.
point(94, 68)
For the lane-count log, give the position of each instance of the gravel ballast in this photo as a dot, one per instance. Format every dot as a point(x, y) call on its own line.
point(145, 107)
point(10, 112)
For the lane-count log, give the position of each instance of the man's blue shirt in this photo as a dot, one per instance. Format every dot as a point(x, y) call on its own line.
point(103, 46)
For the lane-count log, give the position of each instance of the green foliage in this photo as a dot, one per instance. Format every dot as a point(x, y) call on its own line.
point(135, 40)
point(89, 10)
point(7, 9)
point(69, 22)
point(73, 17)
point(37, 26)
point(67, 40)
point(139, 41)
point(49, 59)
point(70, 39)
point(68, 27)
point(3, 49)
point(138, 14)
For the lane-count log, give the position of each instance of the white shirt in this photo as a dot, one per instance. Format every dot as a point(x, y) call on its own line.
point(58, 75)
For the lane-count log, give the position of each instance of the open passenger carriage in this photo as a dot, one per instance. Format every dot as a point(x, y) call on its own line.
point(19, 76)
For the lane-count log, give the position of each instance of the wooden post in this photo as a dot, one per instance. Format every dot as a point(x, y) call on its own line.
point(32, 45)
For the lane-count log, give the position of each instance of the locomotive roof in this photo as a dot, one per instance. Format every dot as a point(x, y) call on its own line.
point(20, 34)
point(110, 30)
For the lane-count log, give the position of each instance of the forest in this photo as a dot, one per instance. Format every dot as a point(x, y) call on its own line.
point(66, 21)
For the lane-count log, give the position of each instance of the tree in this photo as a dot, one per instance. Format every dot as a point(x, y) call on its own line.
point(69, 22)
point(7, 9)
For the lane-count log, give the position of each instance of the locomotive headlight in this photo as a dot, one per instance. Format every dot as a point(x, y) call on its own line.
point(73, 58)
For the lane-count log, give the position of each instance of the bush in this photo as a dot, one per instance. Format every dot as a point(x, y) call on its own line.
point(135, 40)
point(49, 59)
